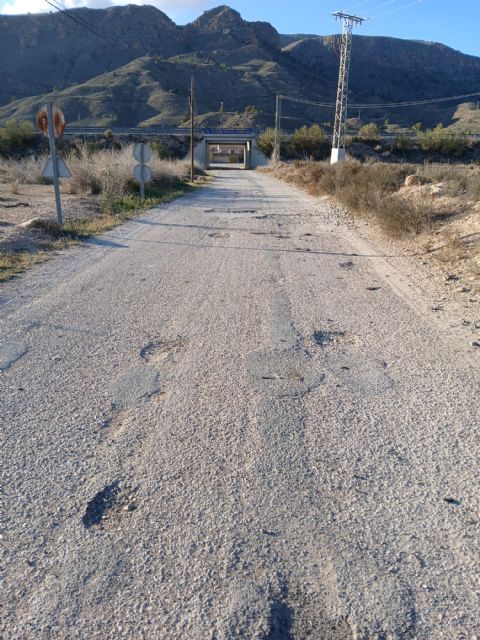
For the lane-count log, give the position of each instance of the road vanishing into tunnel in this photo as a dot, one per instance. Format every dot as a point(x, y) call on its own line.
point(234, 418)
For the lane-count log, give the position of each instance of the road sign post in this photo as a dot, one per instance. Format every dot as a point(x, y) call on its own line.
point(53, 156)
point(142, 173)
point(51, 123)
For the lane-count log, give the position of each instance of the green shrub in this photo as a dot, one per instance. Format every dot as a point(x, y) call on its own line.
point(266, 141)
point(369, 133)
point(163, 151)
point(403, 143)
point(440, 140)
point(310, 142)
point(16, 138)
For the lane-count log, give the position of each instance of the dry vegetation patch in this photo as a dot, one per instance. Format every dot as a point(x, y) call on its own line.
point(437, 206)
point(100, 195)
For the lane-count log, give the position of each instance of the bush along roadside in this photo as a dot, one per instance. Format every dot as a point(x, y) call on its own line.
point(376, 190)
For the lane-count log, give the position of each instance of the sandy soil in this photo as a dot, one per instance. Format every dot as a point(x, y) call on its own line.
point(36, 201)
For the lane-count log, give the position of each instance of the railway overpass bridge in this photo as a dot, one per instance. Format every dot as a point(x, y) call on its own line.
point(214, 148)
point(229, 149)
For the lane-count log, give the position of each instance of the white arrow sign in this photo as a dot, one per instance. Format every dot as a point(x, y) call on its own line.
point(63, 170)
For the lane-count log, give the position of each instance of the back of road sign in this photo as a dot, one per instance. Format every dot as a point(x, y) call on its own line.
point(147, 173)
point(147, 152)
point(63, 170)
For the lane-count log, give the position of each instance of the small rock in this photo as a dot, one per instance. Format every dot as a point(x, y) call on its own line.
point(476, 343)
point(464, 290)
point(130, 507)
point(32, 222)
point(411, 181)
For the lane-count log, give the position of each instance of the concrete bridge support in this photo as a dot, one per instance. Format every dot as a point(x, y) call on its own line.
point(229, 152)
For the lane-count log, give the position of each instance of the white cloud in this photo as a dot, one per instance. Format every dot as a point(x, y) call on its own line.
point(12, 7)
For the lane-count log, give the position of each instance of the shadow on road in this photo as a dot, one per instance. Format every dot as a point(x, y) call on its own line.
point(308, 252)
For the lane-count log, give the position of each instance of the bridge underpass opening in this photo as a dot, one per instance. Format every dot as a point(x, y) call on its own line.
point(227, 155)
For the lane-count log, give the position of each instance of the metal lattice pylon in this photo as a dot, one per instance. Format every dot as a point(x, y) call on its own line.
point(338, 145)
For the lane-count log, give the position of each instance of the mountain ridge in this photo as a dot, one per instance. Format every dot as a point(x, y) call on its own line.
point(132, 64)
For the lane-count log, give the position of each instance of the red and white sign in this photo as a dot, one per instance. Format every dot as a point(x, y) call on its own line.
point(59, 121)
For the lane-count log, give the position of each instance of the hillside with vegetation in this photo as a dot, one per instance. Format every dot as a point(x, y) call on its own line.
point(132, 65)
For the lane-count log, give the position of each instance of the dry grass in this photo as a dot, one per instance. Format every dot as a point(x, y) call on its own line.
point(74, 231)
point(459, 180)
point(15, 262)
point(26, 171)
point(368, 190)
point(109, 173)
point(443, 205)
point(371, 189)
point(106, 174)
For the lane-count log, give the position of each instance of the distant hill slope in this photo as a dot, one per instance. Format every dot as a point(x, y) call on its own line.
point(130, 65)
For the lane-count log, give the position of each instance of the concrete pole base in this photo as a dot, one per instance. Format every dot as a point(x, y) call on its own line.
point(338, 155)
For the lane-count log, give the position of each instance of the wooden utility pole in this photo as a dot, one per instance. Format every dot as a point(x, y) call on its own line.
point(192, 129)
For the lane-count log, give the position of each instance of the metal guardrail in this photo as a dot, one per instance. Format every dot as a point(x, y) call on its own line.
point(73, 130)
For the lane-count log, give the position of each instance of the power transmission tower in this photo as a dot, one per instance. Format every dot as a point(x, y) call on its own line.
point(338, 146)
point(278, 120)
point(192, 129)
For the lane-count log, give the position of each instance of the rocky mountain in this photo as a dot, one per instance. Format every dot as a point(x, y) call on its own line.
point(132, 65)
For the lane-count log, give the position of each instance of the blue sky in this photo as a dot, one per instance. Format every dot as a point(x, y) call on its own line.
point(455, 24)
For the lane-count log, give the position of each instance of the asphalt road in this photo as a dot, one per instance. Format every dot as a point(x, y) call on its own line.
point(234, 418)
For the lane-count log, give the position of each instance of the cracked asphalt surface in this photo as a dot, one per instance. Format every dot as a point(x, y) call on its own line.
point(235, 418)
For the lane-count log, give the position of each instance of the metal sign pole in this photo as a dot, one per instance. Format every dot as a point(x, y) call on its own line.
point(53, 156)
point(142, 172)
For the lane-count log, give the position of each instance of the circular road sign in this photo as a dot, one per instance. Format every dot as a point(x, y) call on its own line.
point(147, 152)
point(59, 121)
point(147, 173)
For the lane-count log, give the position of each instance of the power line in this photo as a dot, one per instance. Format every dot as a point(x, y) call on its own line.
point(110, 97)
point(387, 13)
point(56, 4)
point(414, 103)
point(379, 6)
point(360, 4)
point(59, 12)
point(303, 101)
point(411, 103)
